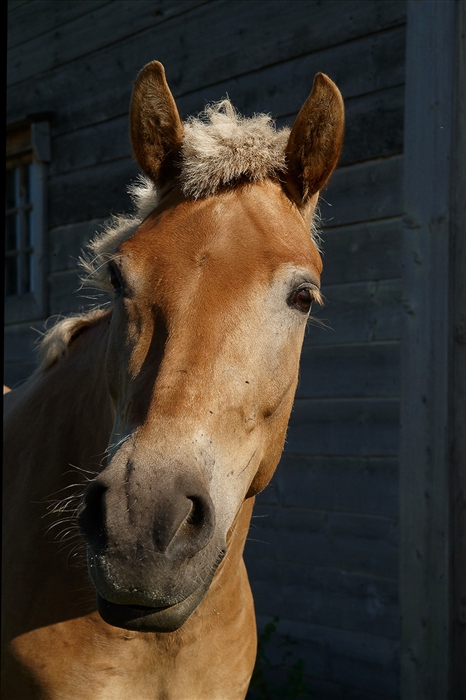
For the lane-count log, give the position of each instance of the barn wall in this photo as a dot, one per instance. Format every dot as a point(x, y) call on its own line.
point(323, 549)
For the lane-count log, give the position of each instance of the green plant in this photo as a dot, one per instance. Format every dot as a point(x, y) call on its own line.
point(283, 679)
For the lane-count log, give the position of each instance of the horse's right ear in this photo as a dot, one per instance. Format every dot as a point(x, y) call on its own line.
point(315, 141)
point(155, 124)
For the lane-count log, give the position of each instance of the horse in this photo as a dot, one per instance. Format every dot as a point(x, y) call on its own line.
point(171, 403)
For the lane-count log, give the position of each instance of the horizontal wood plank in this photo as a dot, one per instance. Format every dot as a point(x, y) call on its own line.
point(353, 427)
point(93, 193)
point(373, 129)
point(359, 543)
point(358, 192)
point(365, 485)
point(15, 373)
point(364, 192)
point(28, 19)
point(105, 79)
point(362, 252)
point(357, 313)
point(20, 351)
point(67, 294)
point(360, 370)
point(66, 242)
point(20, 341)
point(326, 650)
point(241, 36)
point(373, 126)
point(327, 597)
point(78, 29)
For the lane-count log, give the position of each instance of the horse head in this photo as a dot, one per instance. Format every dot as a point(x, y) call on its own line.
point(212, 289)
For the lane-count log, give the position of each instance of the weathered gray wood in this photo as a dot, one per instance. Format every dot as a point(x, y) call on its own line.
point(96, 144)
point(15, 373)
point(28, 19)
point(359, 192)
point(316, 594)
point(458, 422)
point(67, 295)
point(366, 485)
point(361, 252)
point(360, 543)
point(66, 242)
point(19, 351)
point(374, 125)
point(105, 78)
point(241, 36)
point(73, 34)
point(426, 376)
point(91, 193)
point(363, 192)
point(320, 645)
point(359, 370)
point(361, 427)
point(20, 341)
point(357, 313)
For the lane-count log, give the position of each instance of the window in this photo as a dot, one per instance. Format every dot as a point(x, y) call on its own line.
point(27, 152)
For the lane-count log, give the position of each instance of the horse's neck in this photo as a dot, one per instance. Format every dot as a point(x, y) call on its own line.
point(56, 425)
point(59, 420)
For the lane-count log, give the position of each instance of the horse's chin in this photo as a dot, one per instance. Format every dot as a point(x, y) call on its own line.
point(139, 618)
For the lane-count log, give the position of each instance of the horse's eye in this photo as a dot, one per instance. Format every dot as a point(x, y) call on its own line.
point(302, 299)
point(114, 279)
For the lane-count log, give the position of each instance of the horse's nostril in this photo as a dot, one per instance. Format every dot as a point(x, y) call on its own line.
point(200, 521)
point(91, 515)
point(196, 515)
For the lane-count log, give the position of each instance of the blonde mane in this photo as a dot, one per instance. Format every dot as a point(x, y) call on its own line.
point(220, 148)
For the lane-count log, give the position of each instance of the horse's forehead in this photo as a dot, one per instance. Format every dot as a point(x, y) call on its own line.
point(252, 227)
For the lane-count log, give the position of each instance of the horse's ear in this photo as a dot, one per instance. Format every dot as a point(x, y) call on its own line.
point(315, 141)
point(156, 127)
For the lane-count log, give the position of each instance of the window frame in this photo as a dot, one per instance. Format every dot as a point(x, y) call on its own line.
point(28, 142)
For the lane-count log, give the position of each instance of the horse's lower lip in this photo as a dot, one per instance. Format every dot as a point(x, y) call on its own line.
point(147, 619)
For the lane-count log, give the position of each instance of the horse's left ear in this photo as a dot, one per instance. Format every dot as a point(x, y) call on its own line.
point(315, 141)
point(155, 124)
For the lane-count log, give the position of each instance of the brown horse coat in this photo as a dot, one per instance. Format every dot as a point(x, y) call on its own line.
point(176, 399)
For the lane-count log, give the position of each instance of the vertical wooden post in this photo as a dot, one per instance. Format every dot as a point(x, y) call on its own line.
point(431, 513)
point(458, 423)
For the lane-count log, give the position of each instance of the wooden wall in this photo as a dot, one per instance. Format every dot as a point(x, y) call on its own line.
point(323, 549)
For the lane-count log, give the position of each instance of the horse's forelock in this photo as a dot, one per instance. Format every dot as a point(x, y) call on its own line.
point(220, 148)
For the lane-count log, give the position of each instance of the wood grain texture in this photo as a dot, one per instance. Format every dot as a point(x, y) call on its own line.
point(71, 30)
point(269, 82)
point(236, 35)
point(360, 543)
point(28, 19)
point(368, 370)
point(458, 422)
point(426, 373)
point(338, 660)
point(314, 595)
point(362, 252)
point(365, 485)
point(374, 129)
point(357, 313)
point(363, 427)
